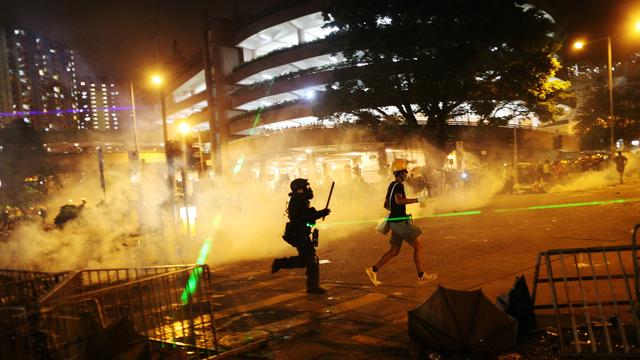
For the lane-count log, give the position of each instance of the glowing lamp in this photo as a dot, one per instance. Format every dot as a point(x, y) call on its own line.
point(184, 128)
point(156, 79)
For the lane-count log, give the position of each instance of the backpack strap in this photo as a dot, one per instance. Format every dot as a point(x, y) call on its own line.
point(391, 194)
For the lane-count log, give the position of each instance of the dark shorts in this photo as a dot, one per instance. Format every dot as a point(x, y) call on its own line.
point(403, 230)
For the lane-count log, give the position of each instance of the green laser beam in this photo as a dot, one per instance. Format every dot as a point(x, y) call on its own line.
point(478, 212)
point(401, 218)
point(567, 205)
point(461, 213)
point(256, 121)
point(192, 285)
point(192, 282)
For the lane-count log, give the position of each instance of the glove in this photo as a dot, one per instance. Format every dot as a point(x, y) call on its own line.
point(424, 195)
point(324, 212)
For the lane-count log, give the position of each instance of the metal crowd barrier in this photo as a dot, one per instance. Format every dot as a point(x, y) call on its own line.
point(9, 275)
point(167, 305)
point(28, 290)
point(593, 295)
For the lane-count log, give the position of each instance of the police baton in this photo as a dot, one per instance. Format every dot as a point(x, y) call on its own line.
point(329, 198)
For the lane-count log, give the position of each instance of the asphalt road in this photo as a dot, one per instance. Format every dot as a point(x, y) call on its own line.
point(484, 250)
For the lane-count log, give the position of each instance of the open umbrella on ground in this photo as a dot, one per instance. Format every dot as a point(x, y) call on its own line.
point(455, 320)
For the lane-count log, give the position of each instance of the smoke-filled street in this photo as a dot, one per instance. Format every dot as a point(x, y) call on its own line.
point(478, 251)
point(319, 179)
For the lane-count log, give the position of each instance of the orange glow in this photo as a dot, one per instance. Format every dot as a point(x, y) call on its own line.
point(184, 128)
point(578, 44)
point(156, 79)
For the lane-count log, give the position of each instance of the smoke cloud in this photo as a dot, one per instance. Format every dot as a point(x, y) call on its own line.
point(129, 227)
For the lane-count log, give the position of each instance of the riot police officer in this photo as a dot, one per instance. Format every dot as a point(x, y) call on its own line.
point(297, 233)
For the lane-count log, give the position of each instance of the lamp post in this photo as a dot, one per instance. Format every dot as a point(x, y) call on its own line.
point(158, 83)
point(579, 45)
point(184, 130)
point(133, 115)
point(137, 173)
point(201, 153)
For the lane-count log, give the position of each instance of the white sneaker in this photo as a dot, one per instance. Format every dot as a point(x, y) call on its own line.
point(427, 277)
point(373, 276)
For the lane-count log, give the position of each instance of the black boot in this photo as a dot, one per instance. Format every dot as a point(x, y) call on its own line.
point(313, 278)
point(276, 265)
point(316, 290)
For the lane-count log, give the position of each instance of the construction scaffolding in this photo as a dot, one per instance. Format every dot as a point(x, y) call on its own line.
point(64, 315)
point(593, 295)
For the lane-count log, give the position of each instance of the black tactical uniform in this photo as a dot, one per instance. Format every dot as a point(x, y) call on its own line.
point(298, 232)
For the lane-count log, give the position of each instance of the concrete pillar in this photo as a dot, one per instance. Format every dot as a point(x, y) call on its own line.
point(220, 58)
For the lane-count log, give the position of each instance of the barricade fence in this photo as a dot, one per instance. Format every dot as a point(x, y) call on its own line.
point(9, 275)
point(592, 295)
point(169, 306)
point(29, 290)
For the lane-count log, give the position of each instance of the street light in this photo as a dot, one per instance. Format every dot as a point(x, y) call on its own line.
point(157, 81)
point(184, 129)
point(579, 45)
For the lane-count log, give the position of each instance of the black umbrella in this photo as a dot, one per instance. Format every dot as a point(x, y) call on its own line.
point(462, 321)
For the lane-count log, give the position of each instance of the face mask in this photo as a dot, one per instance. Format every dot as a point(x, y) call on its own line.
point(309, 193)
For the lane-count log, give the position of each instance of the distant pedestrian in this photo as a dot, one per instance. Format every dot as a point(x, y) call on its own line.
point(42, 212)
point(401, 226)
point(546, 171)
point(621, 162)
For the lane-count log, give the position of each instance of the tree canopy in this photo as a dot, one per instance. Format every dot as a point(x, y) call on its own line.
point(592, 117)
point(442, 59)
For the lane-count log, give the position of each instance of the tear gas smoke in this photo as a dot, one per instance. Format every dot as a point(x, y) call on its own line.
point(592, 179)
point(252, 221)
point(251, 214)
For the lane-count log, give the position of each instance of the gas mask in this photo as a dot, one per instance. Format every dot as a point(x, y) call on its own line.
point(308, 193)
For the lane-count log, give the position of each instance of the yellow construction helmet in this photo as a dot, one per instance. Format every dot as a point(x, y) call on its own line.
point(398, 165)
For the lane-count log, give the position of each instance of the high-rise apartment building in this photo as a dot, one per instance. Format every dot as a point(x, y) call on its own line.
point(37, 80)
point(99, 105)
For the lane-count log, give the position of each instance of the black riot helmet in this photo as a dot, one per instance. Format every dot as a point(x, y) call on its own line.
point(301, 184)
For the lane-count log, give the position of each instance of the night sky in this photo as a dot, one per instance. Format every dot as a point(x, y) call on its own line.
point(117, 38)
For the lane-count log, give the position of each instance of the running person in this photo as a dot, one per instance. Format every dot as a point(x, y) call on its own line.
point(401, 226)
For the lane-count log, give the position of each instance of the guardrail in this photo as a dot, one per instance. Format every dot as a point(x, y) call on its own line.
point(593, 293)
point(168, 306)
